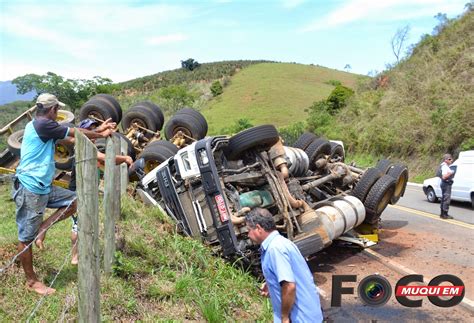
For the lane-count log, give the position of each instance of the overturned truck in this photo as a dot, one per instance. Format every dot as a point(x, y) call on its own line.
point(209, 186)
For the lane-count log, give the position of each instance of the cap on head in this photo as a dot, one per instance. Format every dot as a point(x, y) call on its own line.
point(87, 123)
point(447, 156)
point(48, 100)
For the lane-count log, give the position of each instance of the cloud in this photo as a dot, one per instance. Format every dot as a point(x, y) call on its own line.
point(166, 39)
point(290, 4)
point(375, 10)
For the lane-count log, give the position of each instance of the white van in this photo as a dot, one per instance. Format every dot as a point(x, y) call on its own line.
point(463, 185)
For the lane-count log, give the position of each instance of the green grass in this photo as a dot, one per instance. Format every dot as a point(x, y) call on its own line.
point(158, 275)
point(272, 93)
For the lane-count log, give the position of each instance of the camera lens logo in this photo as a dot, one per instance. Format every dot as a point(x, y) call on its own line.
point(375, 290)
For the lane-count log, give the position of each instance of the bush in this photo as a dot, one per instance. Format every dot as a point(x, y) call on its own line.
point(338, 98)
point(320, 118)
point(238, 126)
point(216, 88)
point(291, 133)
point(176, 97)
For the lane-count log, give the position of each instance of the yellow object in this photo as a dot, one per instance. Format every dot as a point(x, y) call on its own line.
point(59, 183)
point(368, 231)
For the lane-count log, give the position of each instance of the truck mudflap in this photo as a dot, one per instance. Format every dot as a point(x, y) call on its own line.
point(170, 197)
point(215, 198)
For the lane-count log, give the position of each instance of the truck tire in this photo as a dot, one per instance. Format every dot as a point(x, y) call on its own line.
point(112, 100)
point(363, 186)
point(101, 144)
point(155, 155)
point(143, 117)
point(378, 198)
point(186, 123)
point(99, 109)
point(319, 148)
point(63, 156)
point(166, 144)
point(14, 142)
point(400, 174)
point(260, 137)
point(197, 115)
point(153, 108)
point(130, 148)
point(337, 152)
point(305, 140)
point(384, 165)
point(65, 117)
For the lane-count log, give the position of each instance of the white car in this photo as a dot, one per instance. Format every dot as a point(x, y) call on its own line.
point(463, 186)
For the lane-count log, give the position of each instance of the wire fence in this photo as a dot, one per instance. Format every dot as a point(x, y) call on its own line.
point(40, 301)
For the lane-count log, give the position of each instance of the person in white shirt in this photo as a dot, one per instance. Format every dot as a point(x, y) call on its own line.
point(447, 175)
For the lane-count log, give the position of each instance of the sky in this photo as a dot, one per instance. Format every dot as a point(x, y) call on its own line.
point(126, 39)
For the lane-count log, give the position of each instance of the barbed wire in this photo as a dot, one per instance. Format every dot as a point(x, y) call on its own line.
point(12, 261)
point(68, 303)
point(40, 301)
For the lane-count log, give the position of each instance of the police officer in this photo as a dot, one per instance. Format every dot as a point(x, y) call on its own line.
point(447, 175)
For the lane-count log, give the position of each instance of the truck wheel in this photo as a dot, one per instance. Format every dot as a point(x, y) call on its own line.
point(185, 123)
point(153, 108)
point(166, 144)
point(197, 115)
point(378, 198)
point(260, 137)
point(14, 142)
point(101, 143)
point(143, 117)
point(400, 174)
point(431, 195)
point(305, 140)
point(111, 100)
point(65, 116)
point(384, 165)
point(99, 109)
point(154, 155)
point(365, 183)
point(337, 152)
point(319, 148)
point(63, 154)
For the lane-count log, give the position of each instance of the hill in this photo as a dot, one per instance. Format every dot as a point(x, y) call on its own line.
point(273, 93)
point(420, 108)
point(8, 93)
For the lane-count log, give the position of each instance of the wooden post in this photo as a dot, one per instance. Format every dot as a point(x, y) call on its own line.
point(111, 203)
point(123, 167)
point(88, 222)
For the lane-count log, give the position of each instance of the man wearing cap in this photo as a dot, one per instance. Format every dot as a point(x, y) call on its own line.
point(33, 191)
point(447, 175)
point(89, 124)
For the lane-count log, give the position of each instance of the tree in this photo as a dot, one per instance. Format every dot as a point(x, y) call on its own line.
point(338, 98)
point(190, 64)
point(399, 40)
point(216, 88)
point(73, 92)
point(176, 97)
point(348, 67)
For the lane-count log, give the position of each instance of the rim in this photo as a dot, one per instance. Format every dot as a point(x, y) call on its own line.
point(61, 154)
point(400, 185)
point(61, 117)
point(431, 195)
point(385, 200)
point(150, 165)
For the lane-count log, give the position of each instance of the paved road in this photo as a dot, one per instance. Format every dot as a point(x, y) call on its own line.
point(415, 240)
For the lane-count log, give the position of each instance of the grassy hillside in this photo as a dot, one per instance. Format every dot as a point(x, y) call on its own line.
point(272, 93)
point(159, 275)
point(420, 108)
point(8, 112)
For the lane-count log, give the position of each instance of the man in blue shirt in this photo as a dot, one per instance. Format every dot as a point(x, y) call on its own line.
point(288, 279)
point(33, 191)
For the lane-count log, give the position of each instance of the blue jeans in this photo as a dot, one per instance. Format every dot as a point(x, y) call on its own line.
point(30, 208)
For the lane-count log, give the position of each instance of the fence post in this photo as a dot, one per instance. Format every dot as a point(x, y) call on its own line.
point(123, 167)
point(88, 222)
point(111, 203)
